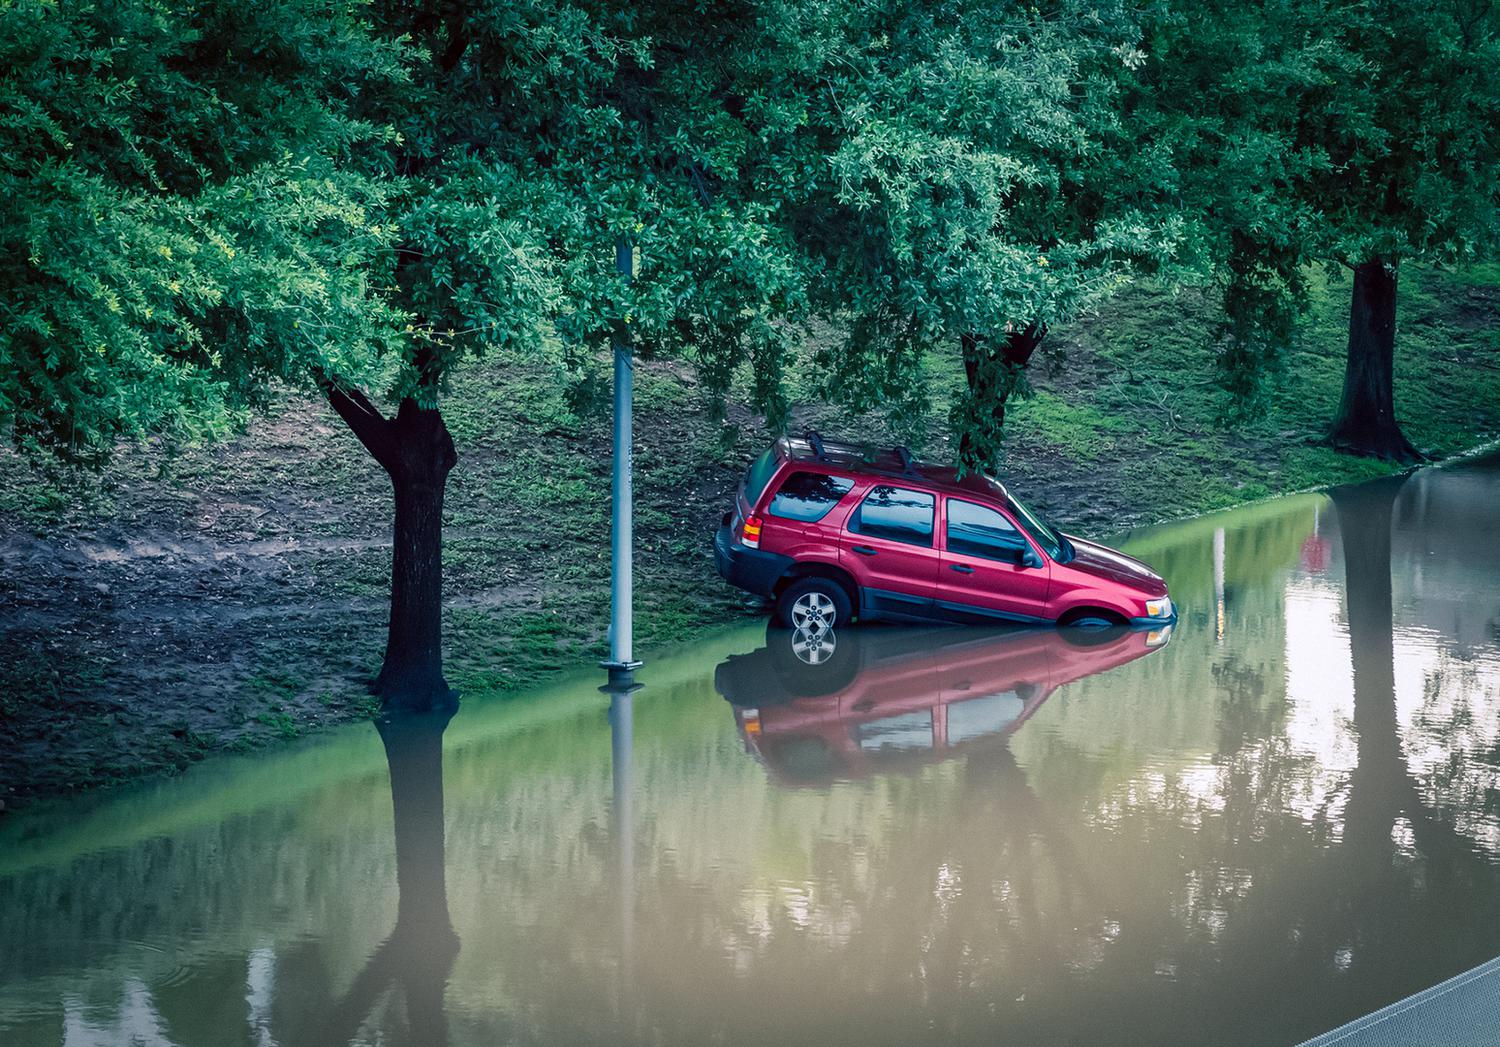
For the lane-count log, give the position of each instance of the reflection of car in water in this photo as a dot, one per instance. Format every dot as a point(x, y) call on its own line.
point(841, 704)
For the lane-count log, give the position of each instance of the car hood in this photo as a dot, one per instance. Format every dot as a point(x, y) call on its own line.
point(1103, 562)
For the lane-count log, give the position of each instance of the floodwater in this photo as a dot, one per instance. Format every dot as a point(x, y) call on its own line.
point(1282, 817)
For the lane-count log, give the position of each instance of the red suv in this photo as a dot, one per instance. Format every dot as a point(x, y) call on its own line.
point(833, 531)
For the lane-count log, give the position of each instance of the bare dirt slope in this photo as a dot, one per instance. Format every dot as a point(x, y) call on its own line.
point(237, 594)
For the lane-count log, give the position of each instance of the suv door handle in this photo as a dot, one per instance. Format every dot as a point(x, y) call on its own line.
point(962, 568)
point(863, 550)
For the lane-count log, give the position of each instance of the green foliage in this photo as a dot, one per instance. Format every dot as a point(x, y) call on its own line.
point(179, 220)
point(541, 135)
point(1264, 294)
point(376, 192)
point(198, 202)
point(1330, 131)
point(981, 181)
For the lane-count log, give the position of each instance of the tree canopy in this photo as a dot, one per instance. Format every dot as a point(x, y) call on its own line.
point(1347, 133)
point(982, 187)
point(179, 216)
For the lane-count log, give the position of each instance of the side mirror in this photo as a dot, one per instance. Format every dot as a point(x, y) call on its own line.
point(1027, 557)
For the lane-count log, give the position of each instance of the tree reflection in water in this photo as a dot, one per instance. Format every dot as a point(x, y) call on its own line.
point(1032, 849)
point(419, 954)
point(1382, 788)
point(1372, 915)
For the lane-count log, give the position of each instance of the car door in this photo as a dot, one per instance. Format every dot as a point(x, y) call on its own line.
point(889, 545)
point(989, 569)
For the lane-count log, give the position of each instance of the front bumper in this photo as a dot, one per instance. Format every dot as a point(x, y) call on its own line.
point(753, 570)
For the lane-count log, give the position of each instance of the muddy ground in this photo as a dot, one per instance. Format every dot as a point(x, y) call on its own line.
point(237, 595)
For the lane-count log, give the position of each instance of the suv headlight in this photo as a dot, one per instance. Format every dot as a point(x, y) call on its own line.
point(1159, 608)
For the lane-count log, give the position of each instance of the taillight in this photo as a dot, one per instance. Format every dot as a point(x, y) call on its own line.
point(750, 534)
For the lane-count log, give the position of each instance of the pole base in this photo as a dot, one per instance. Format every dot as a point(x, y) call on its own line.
point(621, 674)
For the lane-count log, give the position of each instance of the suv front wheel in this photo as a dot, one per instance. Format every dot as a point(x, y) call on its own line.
point(813, 605)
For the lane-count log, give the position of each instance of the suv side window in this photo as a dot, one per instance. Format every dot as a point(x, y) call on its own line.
point(974, 530)
point(896, 513)
point(808, 496)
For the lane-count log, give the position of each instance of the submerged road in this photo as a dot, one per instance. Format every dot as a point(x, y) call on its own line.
point(1280, 817)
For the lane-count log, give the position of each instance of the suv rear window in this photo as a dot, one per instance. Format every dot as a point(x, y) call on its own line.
point(808, 496)
point(759, 474)
point(896, 513)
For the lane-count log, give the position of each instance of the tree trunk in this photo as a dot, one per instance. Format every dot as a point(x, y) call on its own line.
point(411, 676)
point(1366, 423)
point(991, 377)
point(1021, 344)
point(417, 453)
point(973, 426)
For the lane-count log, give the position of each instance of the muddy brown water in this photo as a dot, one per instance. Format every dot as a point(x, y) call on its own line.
point(1282, 816)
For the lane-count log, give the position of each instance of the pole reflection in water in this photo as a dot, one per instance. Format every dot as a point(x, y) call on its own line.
point(418, 956)
point(1219, 584)
point(622, 822)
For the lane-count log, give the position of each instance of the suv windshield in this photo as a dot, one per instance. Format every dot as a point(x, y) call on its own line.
point(1057, 545)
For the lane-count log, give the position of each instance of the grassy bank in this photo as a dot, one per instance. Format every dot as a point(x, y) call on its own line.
point(229, 597)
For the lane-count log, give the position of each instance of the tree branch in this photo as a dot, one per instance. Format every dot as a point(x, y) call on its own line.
point(363, 418)
point(1021, 343)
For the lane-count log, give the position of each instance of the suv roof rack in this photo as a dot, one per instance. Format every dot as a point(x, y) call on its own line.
point(891, 460)
point(815, 441)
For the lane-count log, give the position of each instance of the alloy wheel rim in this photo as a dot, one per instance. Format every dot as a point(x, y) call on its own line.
point(813, 613)
point(814, 648)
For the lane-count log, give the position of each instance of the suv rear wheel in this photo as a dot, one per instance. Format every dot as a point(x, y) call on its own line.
point(813, 605)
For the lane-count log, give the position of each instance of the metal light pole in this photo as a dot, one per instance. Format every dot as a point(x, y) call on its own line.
point(622, 663)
